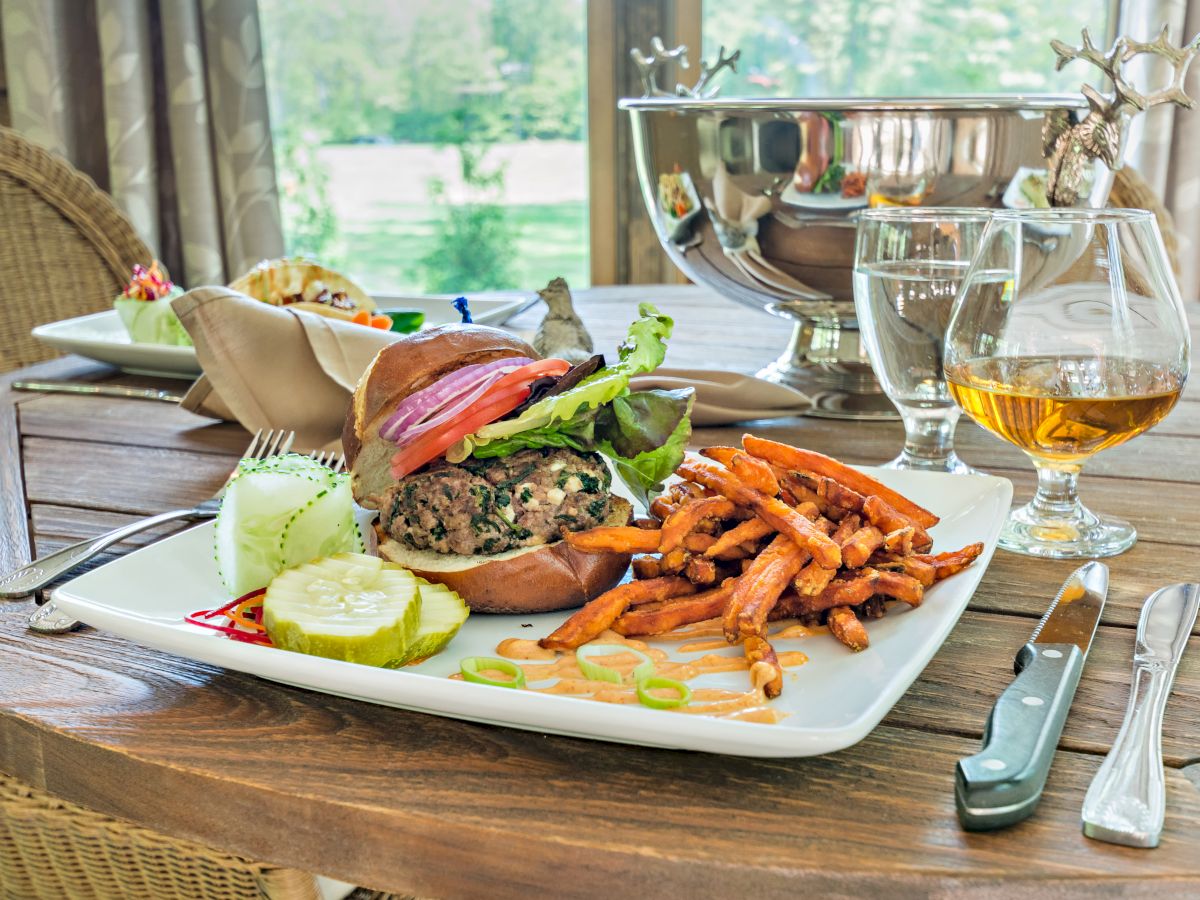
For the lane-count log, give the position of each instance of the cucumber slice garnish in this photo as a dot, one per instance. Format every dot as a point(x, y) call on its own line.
point(322, 528)
point(263, 502)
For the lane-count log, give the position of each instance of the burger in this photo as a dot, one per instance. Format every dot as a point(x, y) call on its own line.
point(480, 456)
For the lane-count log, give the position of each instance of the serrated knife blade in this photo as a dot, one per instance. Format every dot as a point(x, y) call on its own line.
point(1003, 782)
point(1074, 614)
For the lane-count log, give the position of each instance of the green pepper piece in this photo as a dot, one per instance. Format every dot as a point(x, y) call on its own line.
point(405, 321)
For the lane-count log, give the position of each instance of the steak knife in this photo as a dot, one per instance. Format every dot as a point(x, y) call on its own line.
point(1126, 802)
point(1002, 783)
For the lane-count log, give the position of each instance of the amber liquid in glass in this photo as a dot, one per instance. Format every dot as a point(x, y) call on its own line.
point(1064, 408)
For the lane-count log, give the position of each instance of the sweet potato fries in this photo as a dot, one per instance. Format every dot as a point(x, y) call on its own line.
point(761, 533)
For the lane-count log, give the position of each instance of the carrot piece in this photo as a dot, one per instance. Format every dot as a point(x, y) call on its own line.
point(809, 460)
point(238, 613)
point(381, 321)
point(362, 317)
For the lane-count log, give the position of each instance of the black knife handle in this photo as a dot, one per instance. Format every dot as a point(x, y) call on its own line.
point(1002, 783)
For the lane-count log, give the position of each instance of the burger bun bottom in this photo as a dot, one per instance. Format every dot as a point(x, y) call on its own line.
point(526, 580)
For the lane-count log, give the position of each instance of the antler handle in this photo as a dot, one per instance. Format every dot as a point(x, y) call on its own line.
point(648, 67)
point(1071, 146)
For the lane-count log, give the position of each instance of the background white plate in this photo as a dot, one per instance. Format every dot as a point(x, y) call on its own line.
point(101, 336)
point(834, 700)
point(825, 202)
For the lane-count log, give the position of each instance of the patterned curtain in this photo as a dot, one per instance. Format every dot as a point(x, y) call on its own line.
point(164, 105)
point(1165, 142)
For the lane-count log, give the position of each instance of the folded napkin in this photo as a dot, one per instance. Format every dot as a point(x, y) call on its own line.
point(726, 397)
point(273, 367)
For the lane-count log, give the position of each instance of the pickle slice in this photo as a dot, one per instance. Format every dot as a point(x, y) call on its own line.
point(442, 614)
point(351, 607)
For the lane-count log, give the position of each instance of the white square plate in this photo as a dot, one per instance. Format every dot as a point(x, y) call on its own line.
point(102, 337)
point(833, 701)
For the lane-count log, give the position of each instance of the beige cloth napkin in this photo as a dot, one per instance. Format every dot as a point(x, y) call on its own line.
point(272, 367)
point(723, 398)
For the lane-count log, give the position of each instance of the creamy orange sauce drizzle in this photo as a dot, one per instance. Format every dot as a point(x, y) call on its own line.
point(565, 677)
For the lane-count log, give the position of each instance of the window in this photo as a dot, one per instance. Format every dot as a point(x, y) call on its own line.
point(863, 48)
point(440, 145)
point(431, 145)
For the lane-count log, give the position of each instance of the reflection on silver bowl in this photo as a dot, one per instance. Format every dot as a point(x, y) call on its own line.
point(781, 183)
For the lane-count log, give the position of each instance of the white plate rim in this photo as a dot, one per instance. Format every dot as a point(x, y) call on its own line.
point(437, 695)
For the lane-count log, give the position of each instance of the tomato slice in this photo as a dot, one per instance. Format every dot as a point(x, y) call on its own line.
point(490, 407)
point(539, 368)
point(501, 398)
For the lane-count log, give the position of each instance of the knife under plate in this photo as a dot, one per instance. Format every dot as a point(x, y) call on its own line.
point(1126, 802)
point(104, 390)
point(1002, 783)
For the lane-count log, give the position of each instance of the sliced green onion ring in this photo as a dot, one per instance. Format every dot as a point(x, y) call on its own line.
point(472, 667)
point(646, 685)
point(597, 672)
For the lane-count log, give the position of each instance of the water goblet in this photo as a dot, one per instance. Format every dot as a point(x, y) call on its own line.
point(908, 265)
point(1082, 346)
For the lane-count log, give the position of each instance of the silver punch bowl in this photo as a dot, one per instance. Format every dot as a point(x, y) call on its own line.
point(759, 200)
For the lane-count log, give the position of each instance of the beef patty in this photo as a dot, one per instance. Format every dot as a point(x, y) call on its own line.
point(492, 505)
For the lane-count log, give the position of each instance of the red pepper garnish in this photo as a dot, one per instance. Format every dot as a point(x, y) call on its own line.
point(232, 631)
point(149, 284)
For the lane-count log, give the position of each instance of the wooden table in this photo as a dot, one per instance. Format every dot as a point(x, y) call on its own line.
point(441, 808)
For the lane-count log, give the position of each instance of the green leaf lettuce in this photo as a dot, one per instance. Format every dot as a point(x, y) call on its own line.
point(644, 432)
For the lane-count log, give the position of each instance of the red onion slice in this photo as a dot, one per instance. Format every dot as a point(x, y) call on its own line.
point(424, 403)
point(454, 409)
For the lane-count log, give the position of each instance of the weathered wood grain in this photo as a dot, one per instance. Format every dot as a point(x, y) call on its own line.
point(343, 780)
point(418, 804)
point(160, 425)
point(1012, 586)
point(130, 479)
point(943, 700)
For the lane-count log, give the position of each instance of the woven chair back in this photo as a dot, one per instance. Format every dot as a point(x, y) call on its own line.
point(65, 248)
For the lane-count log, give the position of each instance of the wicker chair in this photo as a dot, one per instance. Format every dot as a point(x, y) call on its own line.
point(65, 248)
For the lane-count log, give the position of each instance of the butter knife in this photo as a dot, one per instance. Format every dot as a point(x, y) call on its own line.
point(1127, 799)
point(1003, 782)
point(104, 390)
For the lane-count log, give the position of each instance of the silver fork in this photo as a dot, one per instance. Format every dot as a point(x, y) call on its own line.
point(42, 572)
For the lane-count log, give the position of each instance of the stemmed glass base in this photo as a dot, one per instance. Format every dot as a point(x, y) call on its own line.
point(949, 463)
point(1085, 536)
point(1055, 525)
point(929, 440)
